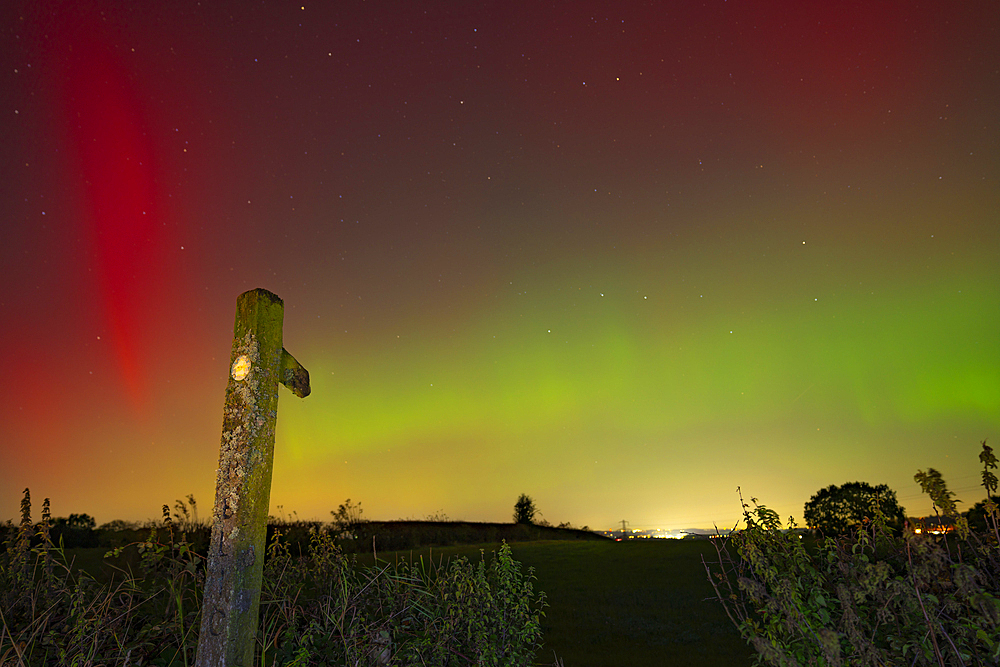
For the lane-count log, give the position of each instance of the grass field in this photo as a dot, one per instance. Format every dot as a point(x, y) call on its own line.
point(638, 602)
point(611, 604)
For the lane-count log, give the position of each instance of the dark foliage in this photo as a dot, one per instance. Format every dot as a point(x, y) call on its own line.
point(836, 510)
point(317, 608)
point(75, 531)
point(400, 535)
point(347, 519)
point(524, 510)
point(869, 596)
point(978, 513)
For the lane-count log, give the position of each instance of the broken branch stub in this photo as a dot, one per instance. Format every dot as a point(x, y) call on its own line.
point(243, 485)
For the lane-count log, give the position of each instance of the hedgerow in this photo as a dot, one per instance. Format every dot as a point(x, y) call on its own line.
point(871, 597)
point(317, 608)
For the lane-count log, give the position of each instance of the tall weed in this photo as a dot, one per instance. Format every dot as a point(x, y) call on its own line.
point(318, 606)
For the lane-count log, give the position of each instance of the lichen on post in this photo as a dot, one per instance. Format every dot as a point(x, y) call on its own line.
point(243, 483)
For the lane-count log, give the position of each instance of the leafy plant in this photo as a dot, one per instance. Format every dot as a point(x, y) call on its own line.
point(869, 597)
point(54, 614)
point(324, 609)
point(317, 608)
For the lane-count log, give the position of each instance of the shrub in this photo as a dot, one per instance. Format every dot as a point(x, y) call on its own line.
point(870, 597)
point(347, 519)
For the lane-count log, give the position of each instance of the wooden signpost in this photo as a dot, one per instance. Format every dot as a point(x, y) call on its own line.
point(243, 485)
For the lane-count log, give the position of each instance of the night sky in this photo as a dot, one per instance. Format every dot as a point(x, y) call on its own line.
point(622, 257)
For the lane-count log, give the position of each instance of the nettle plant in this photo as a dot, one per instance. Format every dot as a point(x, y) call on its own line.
point(317, 608)
point(869, 597)
point(322, 609)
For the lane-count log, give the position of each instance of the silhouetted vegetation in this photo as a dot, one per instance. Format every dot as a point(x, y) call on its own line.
point(836, 510)
point(978, 514)
point(318, 607)
point(524, 510)
point(401, 535)
point(75, 531)
point(353, 535)
point(347, 519)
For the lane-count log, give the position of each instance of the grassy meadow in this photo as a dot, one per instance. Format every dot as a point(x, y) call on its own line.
point(607, 603)
point(637, 602)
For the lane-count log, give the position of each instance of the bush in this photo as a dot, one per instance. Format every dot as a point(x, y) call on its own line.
point(347, 519)
point(870, 597)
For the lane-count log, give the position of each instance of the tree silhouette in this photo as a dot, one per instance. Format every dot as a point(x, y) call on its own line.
point(77, 522)
point(75, 531)
point(837, 509)
point(978, 513)
point(524, 509)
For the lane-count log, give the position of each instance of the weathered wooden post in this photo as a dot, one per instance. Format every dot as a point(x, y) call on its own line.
point(243, 485)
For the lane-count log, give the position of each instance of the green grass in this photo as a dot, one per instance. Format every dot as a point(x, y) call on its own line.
point(638, 602)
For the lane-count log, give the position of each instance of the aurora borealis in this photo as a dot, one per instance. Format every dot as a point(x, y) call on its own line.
point(622, 258)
